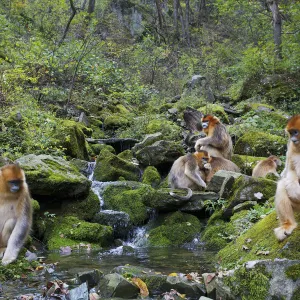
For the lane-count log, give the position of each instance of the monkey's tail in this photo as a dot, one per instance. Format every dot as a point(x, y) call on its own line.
point(187, 197)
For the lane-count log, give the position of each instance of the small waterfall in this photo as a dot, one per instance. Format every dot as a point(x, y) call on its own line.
point(138, 236)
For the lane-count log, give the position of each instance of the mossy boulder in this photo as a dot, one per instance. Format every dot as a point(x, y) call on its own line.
point(177, 229)
point(130, 199)
point(169, 130)
point(247, 188)
point(218, 233)
point(216, 110)
point(160, 154)
point(257, 143)
point(151, 176)
point(260, 241)
point(84, 209)
point(110, 167)
point(115, 121)
point(126, 155)
point(71, 137)
point(97, 148)
point(53, 176)
point(71, 231)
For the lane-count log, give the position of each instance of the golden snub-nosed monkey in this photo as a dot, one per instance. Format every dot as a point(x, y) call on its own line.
point(218, 142)
point(15, 212)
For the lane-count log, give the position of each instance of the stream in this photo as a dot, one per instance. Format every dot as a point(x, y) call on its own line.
point(192, 257)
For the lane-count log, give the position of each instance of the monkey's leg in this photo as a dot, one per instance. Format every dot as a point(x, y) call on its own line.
point(2, 250)
point(15, 239)
point(284, 211)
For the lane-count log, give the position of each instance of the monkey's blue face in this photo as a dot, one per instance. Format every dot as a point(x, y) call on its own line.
point(205, 124)
point(15, 185)
point(294, 135)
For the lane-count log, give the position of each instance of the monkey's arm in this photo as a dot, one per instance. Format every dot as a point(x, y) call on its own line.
point(193, 174)
point(18, 235)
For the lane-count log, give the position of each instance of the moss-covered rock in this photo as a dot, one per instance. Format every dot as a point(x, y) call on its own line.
point(18, 269)
point(53, 176)
point(247, 188)
point(177, 229)
point(126, 155)
point(160, 154)
point(216, 110)
point(97, 148)
point(261, 239)
point(71, 137)
point(169, 130)
point(71, 231)
point(84, 209)
point(151, 176)
point(115, 121)
point(257, 143)
point(130, 199)
point(110, 167)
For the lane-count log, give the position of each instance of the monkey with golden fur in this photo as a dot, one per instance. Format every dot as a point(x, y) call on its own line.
point(15, 212)
point(209, 165)
point(267, 166)
point(287, 197)
point(185, 174)
point(218, 142)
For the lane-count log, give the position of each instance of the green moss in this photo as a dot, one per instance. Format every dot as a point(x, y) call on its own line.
point(19, 269)
point(126, 155)
point(84, 209)
point(262, 238)
point(293, 272)
point(110, 167)
point(177, 229)
point(72, 138)
point(260, 144)
point(129, 200)
point(35, 206)
point(168, 129)
point(70, 231)
point(252, 284)
point(296, 294)
point(97, 148)
point(245, 107)
point(116, 121)
point(151, 176)
point(216, 110)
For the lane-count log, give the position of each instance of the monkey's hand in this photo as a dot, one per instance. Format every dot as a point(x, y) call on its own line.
point(207, 166)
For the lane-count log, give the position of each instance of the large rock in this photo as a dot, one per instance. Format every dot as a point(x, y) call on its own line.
point(72, 138)
point(164, 202)
point(261, 279)
point(111, 167)
point(177, 229)
point(115, 285)
point(160, 153)
point(255, 143)
point(247, 188)
point(53, 176)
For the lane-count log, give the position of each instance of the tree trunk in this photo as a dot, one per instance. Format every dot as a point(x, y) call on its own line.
point(277, 24)
point(159, 14)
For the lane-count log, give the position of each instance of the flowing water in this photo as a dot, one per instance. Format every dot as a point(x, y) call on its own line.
point(135, 251)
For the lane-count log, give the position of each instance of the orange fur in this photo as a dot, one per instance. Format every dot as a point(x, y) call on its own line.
point(15, 212)
point(266, 166)
point(287, 198)
point(218, 142)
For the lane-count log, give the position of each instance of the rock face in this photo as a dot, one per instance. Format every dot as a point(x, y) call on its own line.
point(53, 176)
point(261, 279)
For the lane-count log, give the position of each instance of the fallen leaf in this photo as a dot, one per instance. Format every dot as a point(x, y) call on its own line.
point(173, 274)
point(141, 285)
point(245, 248)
